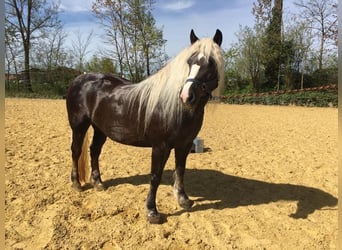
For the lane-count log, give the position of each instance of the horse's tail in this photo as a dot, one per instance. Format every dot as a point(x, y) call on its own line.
point(83, 161)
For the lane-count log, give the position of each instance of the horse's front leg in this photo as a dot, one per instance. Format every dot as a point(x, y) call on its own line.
point(160, 154)
point(178, 187)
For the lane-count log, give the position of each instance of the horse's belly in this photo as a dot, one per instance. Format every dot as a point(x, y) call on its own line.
point(127, 136)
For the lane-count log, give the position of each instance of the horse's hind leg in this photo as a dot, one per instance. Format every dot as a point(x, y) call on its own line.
point(95, 150)
point(78, 134)
point(178, 188)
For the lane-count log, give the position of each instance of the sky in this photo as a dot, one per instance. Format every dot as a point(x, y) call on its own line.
point(175, 17)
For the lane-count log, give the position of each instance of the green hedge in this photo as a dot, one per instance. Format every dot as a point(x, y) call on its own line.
point(49, 91)
point(306, 98)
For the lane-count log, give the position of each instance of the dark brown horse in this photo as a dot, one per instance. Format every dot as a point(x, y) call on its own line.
point(165, 111)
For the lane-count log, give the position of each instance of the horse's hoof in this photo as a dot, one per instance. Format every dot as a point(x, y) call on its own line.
point(99, 187)
point(186, 203)
point(154, 217)
point(77, 186)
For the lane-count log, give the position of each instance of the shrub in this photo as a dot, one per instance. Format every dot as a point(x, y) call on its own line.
point(323, 98)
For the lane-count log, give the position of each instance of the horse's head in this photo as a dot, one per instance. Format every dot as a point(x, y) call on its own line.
point(203, 75)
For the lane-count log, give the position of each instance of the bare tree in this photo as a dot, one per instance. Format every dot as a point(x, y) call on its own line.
point(333, 27)
point(50, 53)
point(80, 48)
point(321, 14)
point(31, 19)
point(13, 53)
point(111, 16)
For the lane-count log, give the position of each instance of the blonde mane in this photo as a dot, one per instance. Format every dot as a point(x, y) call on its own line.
point(163, 88)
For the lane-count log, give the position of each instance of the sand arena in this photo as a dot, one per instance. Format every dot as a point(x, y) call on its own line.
point(267, 180)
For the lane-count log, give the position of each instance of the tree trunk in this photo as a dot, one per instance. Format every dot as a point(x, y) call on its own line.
point(119, 54)
point(27, 73)
point(147, 61)
point(302, 80)
point(124, 40)
point(278, 78)
point(8, 77)
point(321, 49)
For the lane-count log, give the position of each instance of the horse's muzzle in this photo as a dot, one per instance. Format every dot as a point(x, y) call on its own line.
point(187, 93)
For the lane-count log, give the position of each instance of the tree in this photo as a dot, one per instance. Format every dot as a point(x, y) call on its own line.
point(147, 37)
point(300, 34)
point(277, 54)
point(103, 65)
point(273, 46)
point(49, 53)
point(80, 48)
point(137, 43)
point(111, 16)
point(323, 19)
point(333, 27)
point(249, 60)
point(13, 53)
point(269, 24)
point(30, 19)
point(232, 75)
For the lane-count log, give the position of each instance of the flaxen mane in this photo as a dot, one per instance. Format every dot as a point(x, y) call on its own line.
point(163, 88)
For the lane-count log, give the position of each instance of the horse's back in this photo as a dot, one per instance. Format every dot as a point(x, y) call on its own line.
point(83, 94)
point(96, 81)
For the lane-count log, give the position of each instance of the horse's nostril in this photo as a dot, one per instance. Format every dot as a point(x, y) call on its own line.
point(191, 98)
point(204, 88)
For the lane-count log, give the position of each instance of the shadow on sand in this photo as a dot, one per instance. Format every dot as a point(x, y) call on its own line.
point(231, 191)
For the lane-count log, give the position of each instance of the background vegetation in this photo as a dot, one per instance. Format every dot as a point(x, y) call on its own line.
point(282, 51)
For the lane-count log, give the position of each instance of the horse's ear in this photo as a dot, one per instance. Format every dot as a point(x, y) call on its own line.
point(193, 37)
point(218, 37)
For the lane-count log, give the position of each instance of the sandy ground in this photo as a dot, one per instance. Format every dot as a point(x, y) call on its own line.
point(267, 180)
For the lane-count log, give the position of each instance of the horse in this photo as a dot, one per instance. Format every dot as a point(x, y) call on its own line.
point(164, 111)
